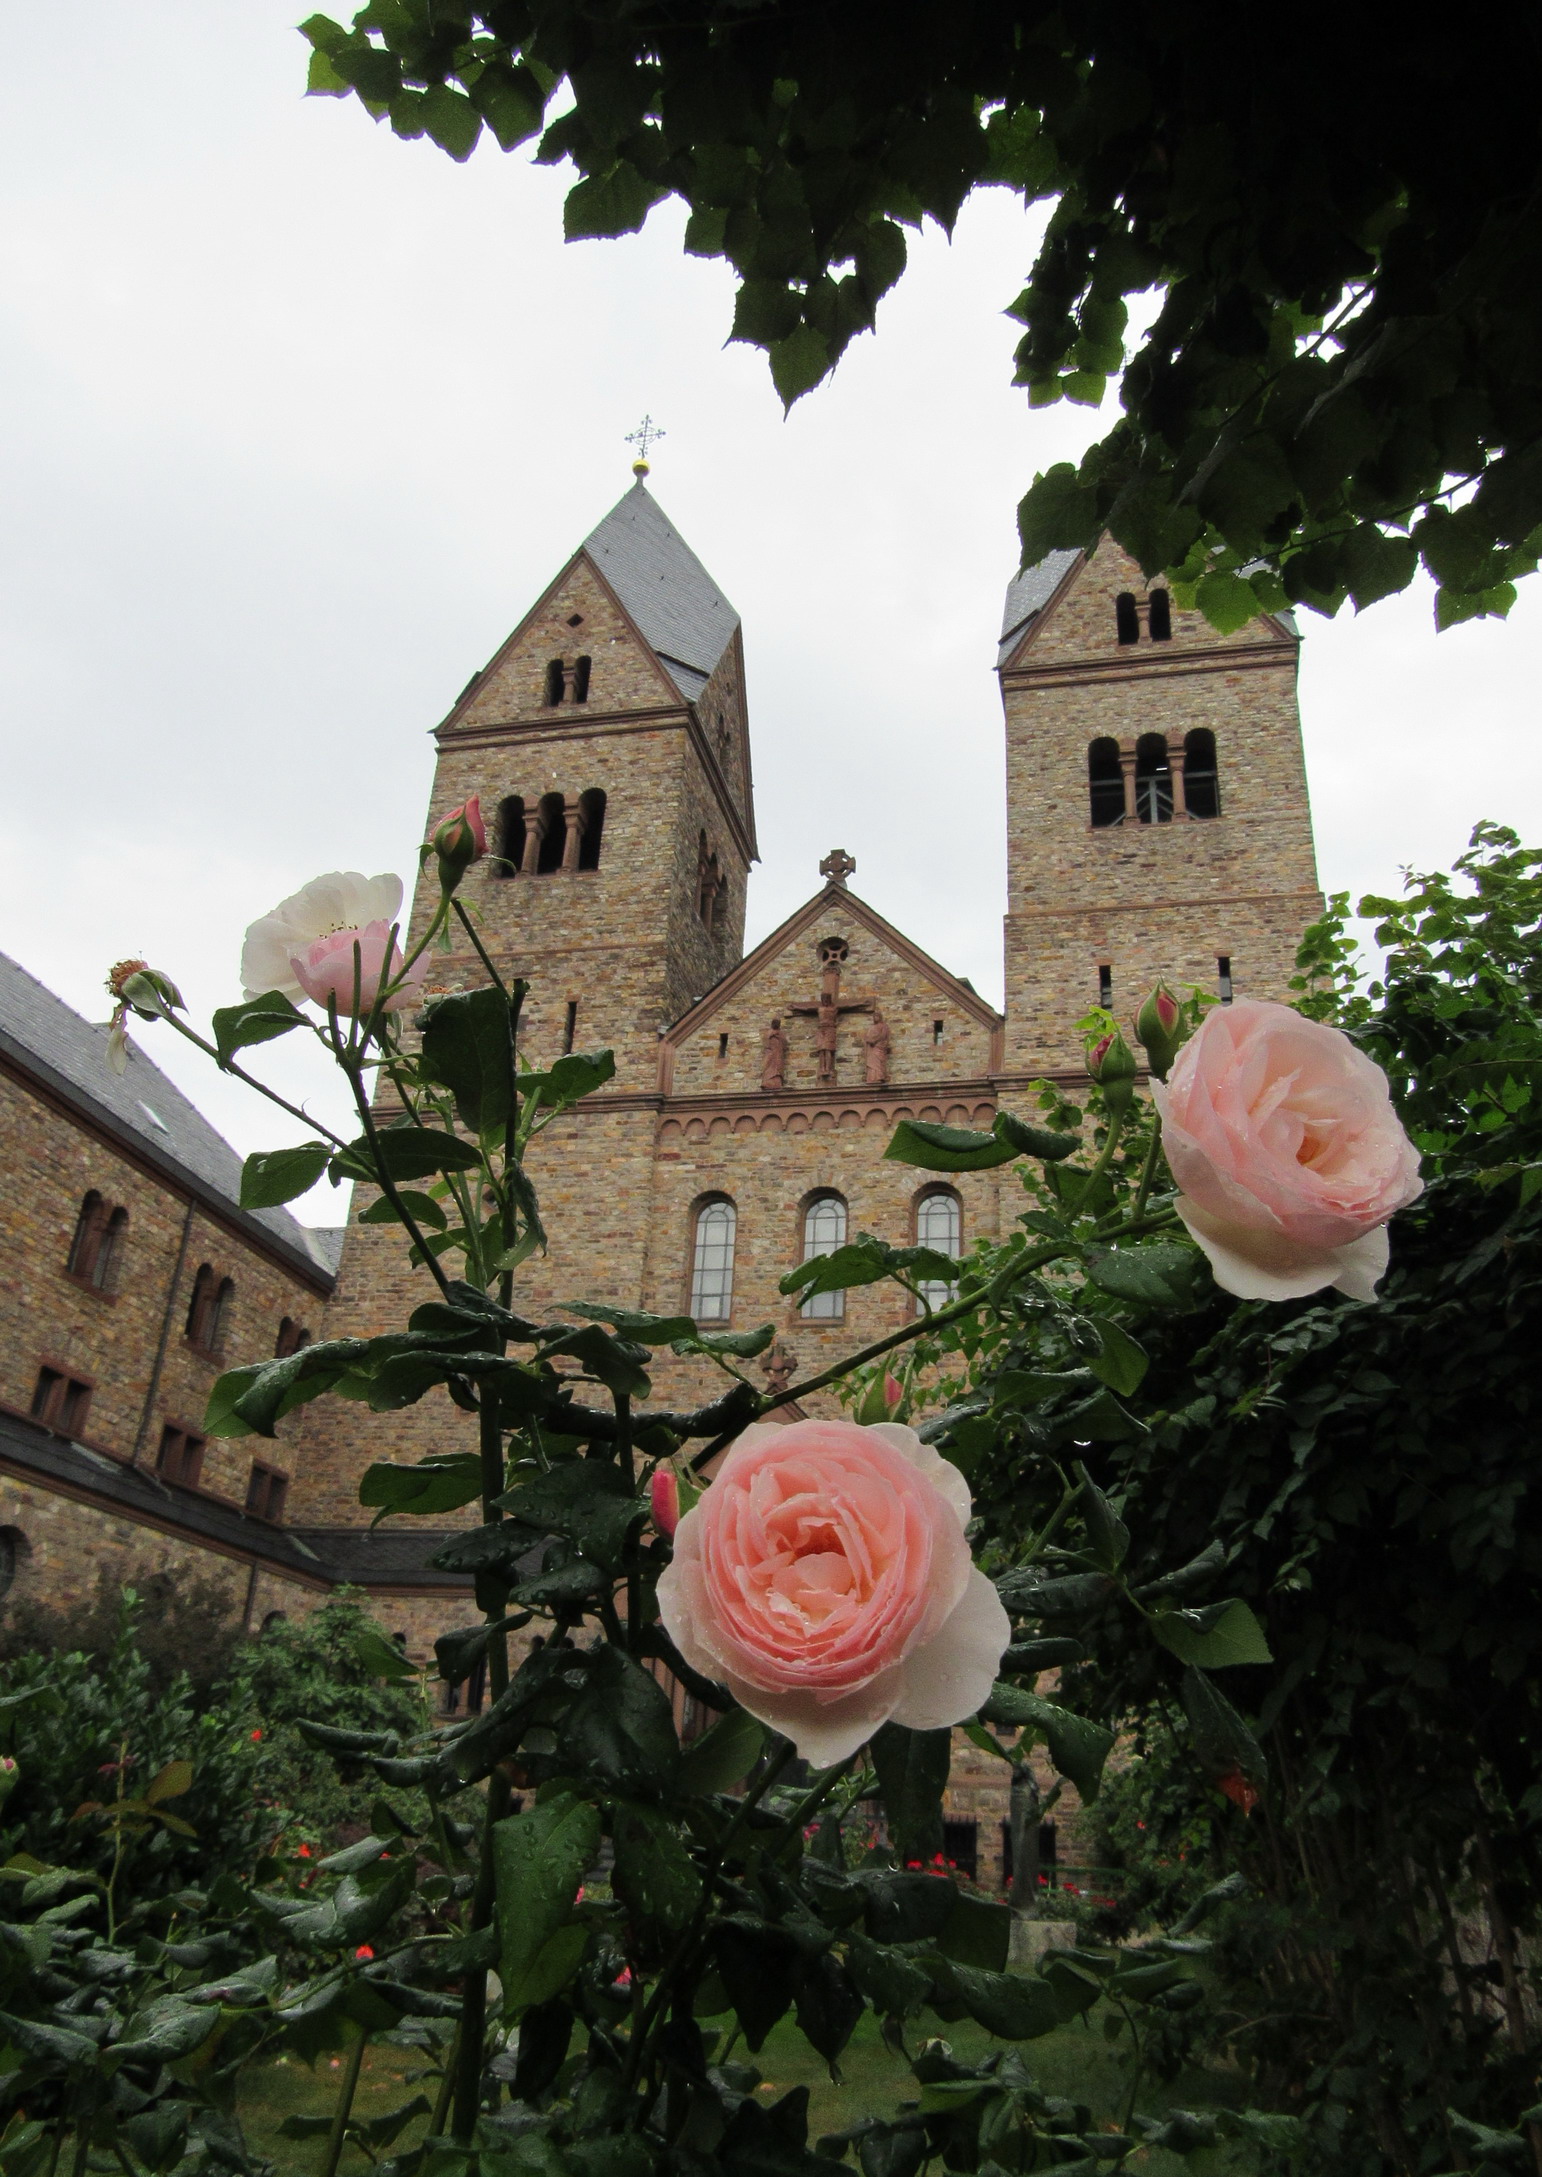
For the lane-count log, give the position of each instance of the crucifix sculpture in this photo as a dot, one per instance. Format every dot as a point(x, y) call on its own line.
point(827, 1008)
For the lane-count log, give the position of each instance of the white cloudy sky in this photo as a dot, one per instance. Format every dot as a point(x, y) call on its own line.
point(296, 419)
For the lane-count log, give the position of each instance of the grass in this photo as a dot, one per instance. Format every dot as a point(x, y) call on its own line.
point(1076, 2062)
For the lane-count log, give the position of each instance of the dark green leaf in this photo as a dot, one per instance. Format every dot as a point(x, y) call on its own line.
point(256, 1020)
point(829, 2006)
point(468, 1048)
point(1033, 1141)
point(1077, 1746)
point(1106, 1532)
point(613, 203)
point(1157, 1273)
point(912, 1771)
point(947, 1148)
point(1222, 1740)
point(436, 1485)
point(539, 1860)
point(1120, 1362)
point(603, 1357)
point(380, 1656)
point(1224, 1634)
point(759, 1964)
point(422, 1208)
point(1026, 1595)
point(1014, 2006)
point(654, 1876)
point(721, 1757)
point(578, 1074)
point(587, 1500)
point(621, 1727)
point(272, 1176)
point(648, 1330)
point(406, 1152)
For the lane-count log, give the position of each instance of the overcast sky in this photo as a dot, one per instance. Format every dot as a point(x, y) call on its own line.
point(299, 419)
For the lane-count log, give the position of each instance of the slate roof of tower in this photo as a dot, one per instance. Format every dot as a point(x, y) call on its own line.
point(687, 620)
point(1027, 594)
point(52, 1043)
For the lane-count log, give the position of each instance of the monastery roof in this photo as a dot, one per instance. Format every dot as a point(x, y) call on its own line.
point(1028, 593)
point(50, 1042)
point(683, 613)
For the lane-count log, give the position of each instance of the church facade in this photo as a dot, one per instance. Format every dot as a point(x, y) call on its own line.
point(1157, 826)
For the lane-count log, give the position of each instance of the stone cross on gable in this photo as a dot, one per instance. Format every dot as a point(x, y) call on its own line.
point(828, 1007)
point(838, 866)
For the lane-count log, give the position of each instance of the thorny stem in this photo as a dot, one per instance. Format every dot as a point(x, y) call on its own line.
point(344, 2109)
point(228, 1065)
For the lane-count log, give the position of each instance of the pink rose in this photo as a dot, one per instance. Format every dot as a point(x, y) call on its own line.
point(664, 1500)
point(825, 1580)
point(326, 969)
point(1288, 1154)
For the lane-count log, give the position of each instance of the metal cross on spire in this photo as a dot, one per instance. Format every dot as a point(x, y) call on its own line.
point(642, 438)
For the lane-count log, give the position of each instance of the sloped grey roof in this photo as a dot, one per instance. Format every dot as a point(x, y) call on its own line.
point(50, 1041)
point(664, 586)
point(1028, 593)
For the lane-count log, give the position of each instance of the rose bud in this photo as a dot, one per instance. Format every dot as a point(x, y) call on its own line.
point(10, 1777)
point(1111, 1063)
point(664, 1501)
point(1159, 1030)
point(459, 841)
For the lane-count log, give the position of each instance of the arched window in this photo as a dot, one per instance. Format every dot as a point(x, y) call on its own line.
point(581, 681)
point(109, 1260)
point(712, 1262)
point(97, 1245)
point(1153, 780)
point(592, 803)
point(556, 677)
point(553, 836)
point(1127, 618)
point(509, 846)
point(1201, 780)
point(1160, 616)
point(201, 1307)
point(711, 884)
point(219, 1314)
point(824, 1230)
point(1105, 782)
point(291, 1337)
point(939, 1224)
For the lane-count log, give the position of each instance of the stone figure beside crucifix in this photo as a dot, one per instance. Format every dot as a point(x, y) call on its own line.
point(827, 1008)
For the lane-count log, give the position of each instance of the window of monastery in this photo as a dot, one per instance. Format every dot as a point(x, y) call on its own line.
point(939, 1224)
point(266, 1491)
point(554, 834)
point(1201, 779)
point(60, 1401)
point(1105, 782)
point(180, 1458)
point(1126, 618)
point(14, 1546)
point(712, 1261)
point(96, 1250)
point(509, 835)
point(1153, 780)
point(556, 682)
point(581, 681)
point(1223, 977)
point(291, 1337)
point(591, 805)
point(209, 1311)
point(824, 1230)
point(1160, 616)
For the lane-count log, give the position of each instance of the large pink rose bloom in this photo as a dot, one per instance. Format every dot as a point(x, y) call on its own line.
point(305, 947)
point(825, 1580)
point(1288, 1154)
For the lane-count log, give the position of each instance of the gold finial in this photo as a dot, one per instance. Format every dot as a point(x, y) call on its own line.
point(642, 438)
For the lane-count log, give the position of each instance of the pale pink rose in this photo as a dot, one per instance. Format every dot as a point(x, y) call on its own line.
point(824, 1578)
point(326, 970)
point(1288, 1155)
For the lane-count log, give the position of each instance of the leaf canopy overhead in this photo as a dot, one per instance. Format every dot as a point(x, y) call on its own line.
point(1342, 377)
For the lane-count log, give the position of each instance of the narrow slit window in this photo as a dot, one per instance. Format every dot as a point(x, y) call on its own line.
point(219, 1314)
point(556, 682)
point(581, 681)
point(722, 1045)
point(1201, 779)
point(824, 1230)
point(1160, 616)
point(712, 1265)
point(1153, 780)
point(1223, 977)
point(1105, 782)
point(1126, 618)
point(200, 1308)
point(937, 1031)
point(509, 848)
point(1105, 986)
point(570, 1026)
point(592, 805)
point(939, 1224)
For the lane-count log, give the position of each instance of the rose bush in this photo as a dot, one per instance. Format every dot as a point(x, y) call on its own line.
point(1288, 1155)
point(824, 1578)
point(331, 942)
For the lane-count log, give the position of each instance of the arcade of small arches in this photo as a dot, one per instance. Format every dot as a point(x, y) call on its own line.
point(1154, 780)
point(556, 832)
point(937, 1220)
point(817, 1119)
point(1157, 614)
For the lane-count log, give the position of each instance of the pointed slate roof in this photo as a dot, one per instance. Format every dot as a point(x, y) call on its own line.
point(684, 615)
point(47, 1039)
point(1028, 593)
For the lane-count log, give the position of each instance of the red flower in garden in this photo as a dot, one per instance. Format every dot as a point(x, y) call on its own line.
point(255, 1736)
point(302, 1851)
point(1238, 1790)
point(364, 1951)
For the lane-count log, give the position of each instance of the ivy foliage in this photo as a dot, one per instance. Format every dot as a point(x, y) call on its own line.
point(1364, 1479)
point(1340, 379)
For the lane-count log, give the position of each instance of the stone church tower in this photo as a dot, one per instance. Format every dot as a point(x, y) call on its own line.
point(1157, 826)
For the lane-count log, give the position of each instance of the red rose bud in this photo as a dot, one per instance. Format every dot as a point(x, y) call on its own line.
point(459, 841)
point(1159, 1030)
point(1111, 1063)
point(1238, 1790)
point(664, 1500)
point(893, 1391)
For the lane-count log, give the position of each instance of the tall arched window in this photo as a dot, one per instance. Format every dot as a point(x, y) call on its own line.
point(109, 1261)
point(592, 803)
point(556, 678)
point(1201, 779)
point(200, 1308)
point(97, 1246)
point(1105, 782)
point(509, 846)
point(1153, 780)
point(1127, 618)
point(554, 834)
point(219, 1314)
point(291, 1337)
point(581, 681)
point(712, 1261)
point(1160, 616)
point(939, 1224)
point(824, 1230)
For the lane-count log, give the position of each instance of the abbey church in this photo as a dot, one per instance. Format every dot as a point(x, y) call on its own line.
point(1157, 825)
